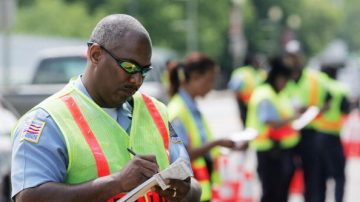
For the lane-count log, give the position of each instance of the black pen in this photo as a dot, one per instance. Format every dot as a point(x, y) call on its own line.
point(131, 152)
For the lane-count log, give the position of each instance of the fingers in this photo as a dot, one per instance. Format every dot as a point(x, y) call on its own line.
point(138, 170)
point(177, 191)
point(226, 143)
point(147, 164)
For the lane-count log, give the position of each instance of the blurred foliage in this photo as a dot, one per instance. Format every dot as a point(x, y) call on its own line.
point(321, 22)
point(165, 20)
point(48, 17)
point(351, 27)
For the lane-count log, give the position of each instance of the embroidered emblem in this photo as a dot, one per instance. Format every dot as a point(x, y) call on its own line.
point(176, 140)
point(32, 130)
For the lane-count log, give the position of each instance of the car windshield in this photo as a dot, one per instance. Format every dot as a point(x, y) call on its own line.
point(59, 70)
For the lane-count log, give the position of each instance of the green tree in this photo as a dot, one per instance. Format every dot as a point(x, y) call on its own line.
point(321, 21)
point(351, 27)
point(320, 24)
point(47, 17)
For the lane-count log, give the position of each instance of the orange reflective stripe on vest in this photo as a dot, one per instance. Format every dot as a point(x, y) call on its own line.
point(245, 96)
point(101, 162)
point(329, 124)
point(314, 90)
point(158, 121)
point(100, 159)
point(201, 173)
point(281, 133)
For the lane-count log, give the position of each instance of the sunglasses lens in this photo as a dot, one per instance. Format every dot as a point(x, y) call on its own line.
point(129, 67)
point(145, 71)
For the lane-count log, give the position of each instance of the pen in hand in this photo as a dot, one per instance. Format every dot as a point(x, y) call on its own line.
point(131, 152)
point(134, 154)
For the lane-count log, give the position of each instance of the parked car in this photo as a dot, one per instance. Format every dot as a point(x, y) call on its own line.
point(57, 66)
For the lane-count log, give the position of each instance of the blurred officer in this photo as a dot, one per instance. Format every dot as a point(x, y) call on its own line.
point(331, 150)
point(73, 146)
point(195, 78)
point(307, 88)
point(244, 80)
point(271, 113)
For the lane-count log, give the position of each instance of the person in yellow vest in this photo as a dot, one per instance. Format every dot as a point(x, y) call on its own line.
point(332, 157)
point(195, 78)
point(271, 114)
point(307, 88)
point(244, 80)
point(74, 146)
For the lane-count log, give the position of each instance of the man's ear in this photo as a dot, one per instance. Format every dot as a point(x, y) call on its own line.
point(94, 53)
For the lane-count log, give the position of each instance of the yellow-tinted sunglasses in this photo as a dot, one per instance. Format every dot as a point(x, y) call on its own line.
point(128, 66)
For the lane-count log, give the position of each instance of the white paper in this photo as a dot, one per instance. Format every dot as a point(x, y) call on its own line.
point(309, 115)
point(177, 170)
point(245, 135)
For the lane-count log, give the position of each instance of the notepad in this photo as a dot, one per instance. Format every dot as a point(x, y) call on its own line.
point(177, 170)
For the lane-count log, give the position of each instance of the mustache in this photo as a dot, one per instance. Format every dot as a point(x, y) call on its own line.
point(130, 87)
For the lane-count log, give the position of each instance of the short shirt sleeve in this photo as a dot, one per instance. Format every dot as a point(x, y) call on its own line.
point(180, 130)
point(39, 153)
point(236, 83)
point(177, 148)
point(267, 112)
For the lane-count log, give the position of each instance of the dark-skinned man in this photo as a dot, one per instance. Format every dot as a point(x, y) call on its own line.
point(73, 145)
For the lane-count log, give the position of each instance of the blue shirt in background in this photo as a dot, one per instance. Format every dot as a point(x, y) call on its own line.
point(179, 126)
point(267, 112)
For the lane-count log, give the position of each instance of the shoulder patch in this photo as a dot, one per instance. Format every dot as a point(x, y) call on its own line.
point(176, 140)
point(32, 130)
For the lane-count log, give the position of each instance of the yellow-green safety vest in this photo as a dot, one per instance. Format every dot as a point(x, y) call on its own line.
point(177, 108)
point(252, 78)
point(331, 120)
point(263, 142)
point(72, 111)
point(309, 91)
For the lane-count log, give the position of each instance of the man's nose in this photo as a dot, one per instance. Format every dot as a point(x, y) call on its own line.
point(136, 78)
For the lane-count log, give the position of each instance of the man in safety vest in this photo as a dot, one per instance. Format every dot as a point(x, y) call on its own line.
point(330, 147)
point(271, 113)
point(244, 80)
point(306, 89)
point(74, 145)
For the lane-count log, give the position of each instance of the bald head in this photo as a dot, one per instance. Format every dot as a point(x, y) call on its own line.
point(117, 38)
point(110, 31)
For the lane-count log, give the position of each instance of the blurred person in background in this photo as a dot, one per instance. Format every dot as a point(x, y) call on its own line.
point(195, 78)
point(244, 80)
point(329, 127)
point(307, 88)
point(74, 146)
point(271, 113)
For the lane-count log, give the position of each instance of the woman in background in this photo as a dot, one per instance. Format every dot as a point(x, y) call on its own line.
point(195, 78)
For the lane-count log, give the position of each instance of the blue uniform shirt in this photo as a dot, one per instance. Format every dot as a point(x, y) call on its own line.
point(179, 126)
point(46, 161)
point(236, 82)
point(267, 112)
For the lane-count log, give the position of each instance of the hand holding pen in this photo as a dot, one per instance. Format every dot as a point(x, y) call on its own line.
point(136, 171)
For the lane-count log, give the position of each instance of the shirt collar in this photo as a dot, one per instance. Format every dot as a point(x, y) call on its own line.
point(188, 100)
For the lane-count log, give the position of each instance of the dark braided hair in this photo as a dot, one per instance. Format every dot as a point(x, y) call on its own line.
point(180, 72)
